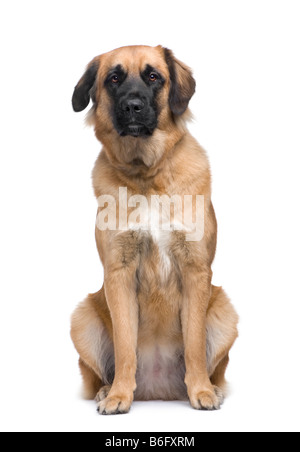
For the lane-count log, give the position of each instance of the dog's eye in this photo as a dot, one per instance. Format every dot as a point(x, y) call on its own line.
point(153, 77)
point(115, 79)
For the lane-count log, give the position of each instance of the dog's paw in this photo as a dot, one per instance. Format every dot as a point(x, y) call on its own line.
point(114, 405)
point(207, 400)
point(103, 393)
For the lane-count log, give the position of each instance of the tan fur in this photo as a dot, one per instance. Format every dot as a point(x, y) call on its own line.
point(158, 323)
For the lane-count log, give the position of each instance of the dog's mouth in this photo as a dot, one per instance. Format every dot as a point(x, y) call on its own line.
point(136, 130)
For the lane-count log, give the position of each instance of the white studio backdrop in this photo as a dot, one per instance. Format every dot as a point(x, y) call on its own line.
point(245, 57)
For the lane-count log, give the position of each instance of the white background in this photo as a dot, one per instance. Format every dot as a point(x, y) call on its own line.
point(245, 56)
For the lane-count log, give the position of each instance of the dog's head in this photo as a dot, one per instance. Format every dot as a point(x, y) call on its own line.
point(138, 94)
point(135, 91)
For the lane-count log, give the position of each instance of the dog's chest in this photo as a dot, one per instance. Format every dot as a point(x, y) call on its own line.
point(162, 255)
point(155, 229)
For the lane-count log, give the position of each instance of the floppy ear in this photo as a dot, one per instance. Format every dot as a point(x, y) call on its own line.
point(82, 91)
point(183, 85)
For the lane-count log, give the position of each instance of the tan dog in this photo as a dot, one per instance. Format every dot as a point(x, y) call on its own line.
point(157, 329)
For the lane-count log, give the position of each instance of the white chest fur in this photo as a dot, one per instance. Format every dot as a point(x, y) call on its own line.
point(154, 219)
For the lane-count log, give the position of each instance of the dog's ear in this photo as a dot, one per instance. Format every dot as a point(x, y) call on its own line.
point(84, 89)
point(183, 84)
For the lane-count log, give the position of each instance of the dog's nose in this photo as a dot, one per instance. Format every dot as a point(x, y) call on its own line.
point(133, 105)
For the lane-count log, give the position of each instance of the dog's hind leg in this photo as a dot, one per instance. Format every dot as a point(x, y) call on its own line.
point(93, 388)
point(91, 381)
point(221, 327)
point(90, 334)
point(218, 377)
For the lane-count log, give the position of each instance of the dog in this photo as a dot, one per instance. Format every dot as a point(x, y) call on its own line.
point(158, 328)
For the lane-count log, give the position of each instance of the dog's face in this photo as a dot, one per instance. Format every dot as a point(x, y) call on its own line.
point(135, 90)
point(135, 99)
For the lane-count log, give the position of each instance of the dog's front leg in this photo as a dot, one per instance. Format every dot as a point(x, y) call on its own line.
point(120, 292)
point(197, 292)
